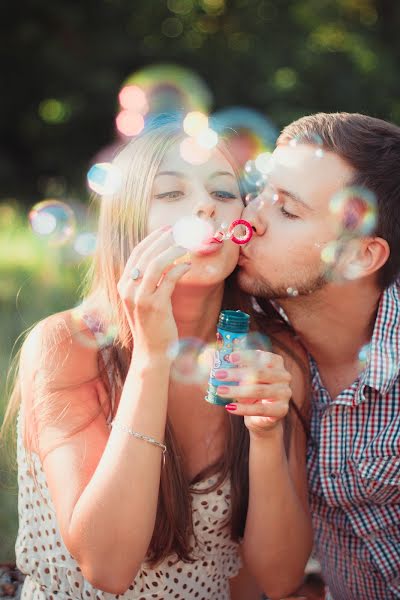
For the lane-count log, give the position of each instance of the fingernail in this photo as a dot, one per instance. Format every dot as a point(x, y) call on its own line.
point(223, 389)
point(234, 357)
point(230, 407)
point(221, 374)
point(166, 228)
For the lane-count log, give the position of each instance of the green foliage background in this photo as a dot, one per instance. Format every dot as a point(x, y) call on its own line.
point(62, 64)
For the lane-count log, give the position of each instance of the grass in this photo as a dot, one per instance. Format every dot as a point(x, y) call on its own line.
point(36, 280)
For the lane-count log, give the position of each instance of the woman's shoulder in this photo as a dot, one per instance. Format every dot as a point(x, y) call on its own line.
point(64, 344)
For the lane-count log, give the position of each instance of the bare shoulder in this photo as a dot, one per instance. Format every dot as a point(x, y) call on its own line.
point(61, 387)
point(63, 344)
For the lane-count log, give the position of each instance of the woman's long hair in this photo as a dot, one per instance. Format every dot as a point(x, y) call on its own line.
point(122, 225)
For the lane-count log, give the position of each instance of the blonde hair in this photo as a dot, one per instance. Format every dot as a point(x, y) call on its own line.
point(122, 224)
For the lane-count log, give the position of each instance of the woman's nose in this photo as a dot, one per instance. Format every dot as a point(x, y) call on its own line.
point(254, 214)
point(205, 208)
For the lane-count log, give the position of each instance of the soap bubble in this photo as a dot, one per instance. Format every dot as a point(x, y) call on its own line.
point(53, 221)
point(363, 355)
point(292, 292)
point(104, 179)
point(247, 132)
point(169, 88)
point(192, 360)
point(85, 244)
point(90, 331)
point(355, 211)
point(313, 140)
point(192, 232)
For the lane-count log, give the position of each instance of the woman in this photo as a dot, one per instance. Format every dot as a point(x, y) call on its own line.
point(130, 484)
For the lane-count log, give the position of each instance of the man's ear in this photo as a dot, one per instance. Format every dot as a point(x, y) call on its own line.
point(364, 257)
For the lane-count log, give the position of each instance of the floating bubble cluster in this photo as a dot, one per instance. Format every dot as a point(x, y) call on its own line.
point(53, 221)
point(105, 179)
point(192, 360)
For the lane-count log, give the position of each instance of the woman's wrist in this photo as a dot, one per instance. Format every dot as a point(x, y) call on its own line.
point(273, 435)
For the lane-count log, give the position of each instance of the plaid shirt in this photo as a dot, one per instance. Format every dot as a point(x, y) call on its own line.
point(354, 470)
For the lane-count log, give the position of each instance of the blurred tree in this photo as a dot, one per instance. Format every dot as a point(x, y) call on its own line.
point(62, 65)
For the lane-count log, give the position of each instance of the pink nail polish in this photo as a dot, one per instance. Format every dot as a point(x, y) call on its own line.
point(234, 357)
point(165, 228)
point(221, 374)
point(223, 389)
point(230, 407)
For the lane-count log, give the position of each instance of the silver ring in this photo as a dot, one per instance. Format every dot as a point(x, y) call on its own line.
point(135, 274)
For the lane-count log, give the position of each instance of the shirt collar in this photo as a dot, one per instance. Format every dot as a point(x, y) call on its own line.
point(383, 363)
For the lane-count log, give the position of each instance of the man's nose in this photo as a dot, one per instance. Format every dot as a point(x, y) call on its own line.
point(205, 207)
point(255, 215)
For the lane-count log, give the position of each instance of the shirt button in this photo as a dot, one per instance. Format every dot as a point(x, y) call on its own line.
point(332, 475)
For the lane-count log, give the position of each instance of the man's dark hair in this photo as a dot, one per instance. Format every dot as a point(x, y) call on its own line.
point(372, 147)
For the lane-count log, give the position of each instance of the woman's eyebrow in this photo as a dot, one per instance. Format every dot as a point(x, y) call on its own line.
point(173, 173)
point(221, 173)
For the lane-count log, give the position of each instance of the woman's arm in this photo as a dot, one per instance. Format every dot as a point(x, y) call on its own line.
point(104, 485)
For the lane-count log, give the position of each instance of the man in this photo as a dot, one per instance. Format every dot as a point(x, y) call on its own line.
point(326, 250)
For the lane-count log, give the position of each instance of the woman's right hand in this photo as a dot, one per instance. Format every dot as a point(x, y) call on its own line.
point(147, 300)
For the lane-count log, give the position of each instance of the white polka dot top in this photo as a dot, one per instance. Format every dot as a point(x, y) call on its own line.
point(52, 573)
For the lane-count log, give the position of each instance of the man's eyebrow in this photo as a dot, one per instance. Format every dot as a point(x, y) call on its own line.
point(221, 173)
point(295, 198)
point(173, 173)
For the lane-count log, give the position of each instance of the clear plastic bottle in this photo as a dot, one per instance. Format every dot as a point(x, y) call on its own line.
point(232, 329)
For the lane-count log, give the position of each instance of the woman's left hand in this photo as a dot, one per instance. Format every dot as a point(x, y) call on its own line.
point(263, 392)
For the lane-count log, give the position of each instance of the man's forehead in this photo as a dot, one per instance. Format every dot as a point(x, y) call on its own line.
point(313, 177)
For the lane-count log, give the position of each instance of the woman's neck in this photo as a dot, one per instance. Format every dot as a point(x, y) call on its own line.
point(196, 311)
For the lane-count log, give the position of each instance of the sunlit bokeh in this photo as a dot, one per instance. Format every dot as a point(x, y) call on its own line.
point(193, 153)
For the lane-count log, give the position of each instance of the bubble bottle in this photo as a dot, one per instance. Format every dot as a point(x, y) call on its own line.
point(232, 329)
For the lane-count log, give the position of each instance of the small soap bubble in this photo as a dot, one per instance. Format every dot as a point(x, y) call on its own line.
point(314, 140)
point(193, 153)
point(354, 209)
point(192, 232)
point(85, 244)
point(251, 174)
point(53, 221)
point(90, 331)
point(363, 354)
point(330, 252)
point(251, 197)
point(263, 162)
point(105, 179)
point(192, 360)
point(292, 291)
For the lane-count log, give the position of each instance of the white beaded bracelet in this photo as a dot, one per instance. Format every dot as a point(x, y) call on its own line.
point(141, 436)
